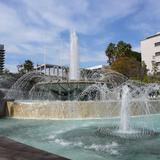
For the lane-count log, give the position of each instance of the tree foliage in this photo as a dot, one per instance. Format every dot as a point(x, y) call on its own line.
point(129, 67)
point(121, 49)
point(111, 53)
point(123, 59)
point(136, 55)
point(154, 67)
point(27, 66)
point(144, 69)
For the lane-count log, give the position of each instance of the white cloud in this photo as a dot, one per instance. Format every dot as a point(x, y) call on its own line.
point(31, 26)
point(11, 67)
point(146, 21)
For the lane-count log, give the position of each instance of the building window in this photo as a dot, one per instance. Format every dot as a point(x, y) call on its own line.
point(157, 44)
point(157, 54)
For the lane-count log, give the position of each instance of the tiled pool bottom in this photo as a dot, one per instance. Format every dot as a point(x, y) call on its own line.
point(77, 139)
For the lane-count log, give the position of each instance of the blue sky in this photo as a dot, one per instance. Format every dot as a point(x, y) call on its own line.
point(28, 28)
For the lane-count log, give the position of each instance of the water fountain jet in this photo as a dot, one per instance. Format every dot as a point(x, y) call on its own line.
point(124, 129)
point(125, 110)
point(74, 58)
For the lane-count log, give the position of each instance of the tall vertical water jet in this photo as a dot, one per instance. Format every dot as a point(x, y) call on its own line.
point(125, 110)
point(74, 58)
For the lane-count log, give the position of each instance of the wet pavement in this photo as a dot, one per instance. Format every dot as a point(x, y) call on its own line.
point(12, 150)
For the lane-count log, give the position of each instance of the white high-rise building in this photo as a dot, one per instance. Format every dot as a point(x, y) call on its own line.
point(150, 50)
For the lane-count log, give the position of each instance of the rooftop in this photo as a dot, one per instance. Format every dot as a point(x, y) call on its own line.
point(96, 67)
point(155, 35)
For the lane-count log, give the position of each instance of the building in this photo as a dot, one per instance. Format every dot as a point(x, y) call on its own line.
point(2, 57)
point(53, 70)
point(150, 50)
point(98, 67)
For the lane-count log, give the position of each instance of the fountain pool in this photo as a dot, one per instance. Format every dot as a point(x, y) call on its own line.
point(134, 134)
point(93, 97)
point(79, 140)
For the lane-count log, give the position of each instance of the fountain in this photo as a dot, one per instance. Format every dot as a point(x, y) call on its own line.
point(108, 114)
point(74, 58)
point(130, 104)
point(86, 94)
point(37, 86)
point(125, 111)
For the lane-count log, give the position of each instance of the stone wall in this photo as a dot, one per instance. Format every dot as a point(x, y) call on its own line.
point(2, 108)
point(75, 109)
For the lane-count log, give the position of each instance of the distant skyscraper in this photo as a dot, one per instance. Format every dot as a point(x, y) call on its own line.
point(2, 57)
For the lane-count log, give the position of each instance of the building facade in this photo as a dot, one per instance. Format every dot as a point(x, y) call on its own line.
point(53, 70)
point(2, 57)
point(150, 51)
point(98, 67)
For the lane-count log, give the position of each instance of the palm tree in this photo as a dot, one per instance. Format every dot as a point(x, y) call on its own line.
point(115, 51)
point(27, 66)
point(111, 52)
point(123, 49)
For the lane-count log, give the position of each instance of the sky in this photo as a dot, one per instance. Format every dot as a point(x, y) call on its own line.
point(30, 29)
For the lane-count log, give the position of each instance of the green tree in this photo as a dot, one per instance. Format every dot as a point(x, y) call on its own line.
point(27, 66)
point(143, 70)
point(111, 52)
point(6, 71)
point(128, 66)
point(154, 67)
point(136, 55)
point(121, 49)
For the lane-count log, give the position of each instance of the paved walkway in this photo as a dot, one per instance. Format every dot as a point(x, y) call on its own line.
point(12, 150)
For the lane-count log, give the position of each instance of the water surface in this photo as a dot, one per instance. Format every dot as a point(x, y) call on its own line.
point(78, 139)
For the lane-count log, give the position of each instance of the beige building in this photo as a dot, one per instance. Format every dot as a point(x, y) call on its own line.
point(150, 50)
